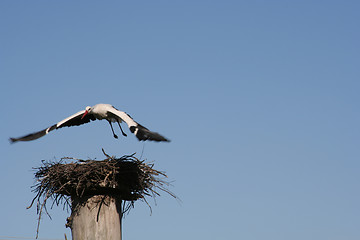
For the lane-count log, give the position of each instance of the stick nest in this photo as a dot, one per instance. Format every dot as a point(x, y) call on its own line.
point(126, 178)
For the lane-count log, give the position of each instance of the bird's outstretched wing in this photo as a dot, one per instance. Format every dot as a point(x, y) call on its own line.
point(33, 136)
point(73, 120)
point(141, 132)
point(76, 120)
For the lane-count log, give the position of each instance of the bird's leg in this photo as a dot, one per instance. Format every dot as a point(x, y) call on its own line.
point(124, 134)
point(115, 136)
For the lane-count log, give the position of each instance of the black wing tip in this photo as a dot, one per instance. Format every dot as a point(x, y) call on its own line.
point(32, 136)
point(167, 140)
point(162, 139)
point(144, 134)
point(154, 139)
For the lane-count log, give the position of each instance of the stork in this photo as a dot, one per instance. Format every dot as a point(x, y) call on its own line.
point(99, 111)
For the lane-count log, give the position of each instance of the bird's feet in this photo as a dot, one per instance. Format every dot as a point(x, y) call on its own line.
point(115, 136)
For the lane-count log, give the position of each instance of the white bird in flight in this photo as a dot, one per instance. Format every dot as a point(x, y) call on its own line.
point(99, 111)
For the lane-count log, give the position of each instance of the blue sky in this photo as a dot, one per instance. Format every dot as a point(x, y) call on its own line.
point(260, 100)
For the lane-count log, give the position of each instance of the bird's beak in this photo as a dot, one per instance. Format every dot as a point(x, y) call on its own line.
point(86, 112)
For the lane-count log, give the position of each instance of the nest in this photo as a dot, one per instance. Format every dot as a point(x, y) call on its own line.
point(126, 178)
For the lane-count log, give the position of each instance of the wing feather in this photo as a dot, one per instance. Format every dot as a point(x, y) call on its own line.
point(141, 132)
point(33, 136)
point(73, 120)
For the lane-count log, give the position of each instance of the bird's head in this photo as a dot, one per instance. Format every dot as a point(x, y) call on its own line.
point(87, 110)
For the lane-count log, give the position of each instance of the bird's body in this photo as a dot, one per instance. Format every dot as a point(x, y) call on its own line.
point(100, 112)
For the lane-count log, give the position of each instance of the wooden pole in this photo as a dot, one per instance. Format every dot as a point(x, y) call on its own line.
point(96, 218)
